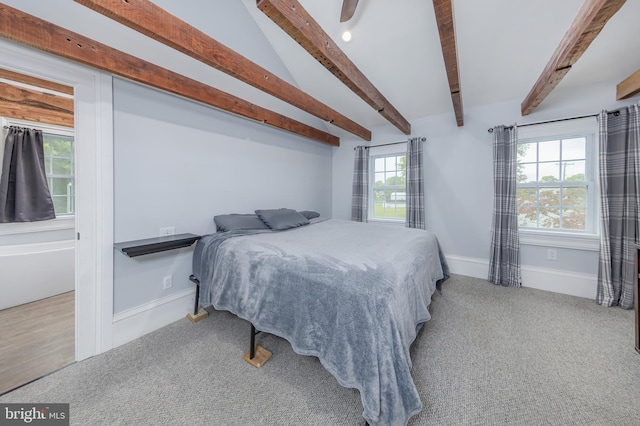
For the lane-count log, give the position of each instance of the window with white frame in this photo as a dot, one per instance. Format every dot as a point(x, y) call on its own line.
point(59, 162)
point(59, 166)
point(556, 178)
point(388, 189)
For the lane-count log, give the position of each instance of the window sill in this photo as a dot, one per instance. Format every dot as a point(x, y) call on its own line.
point(387, 221)
point(59, 223)
point(589, 242)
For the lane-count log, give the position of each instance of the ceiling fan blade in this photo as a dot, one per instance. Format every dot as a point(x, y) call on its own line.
point(348, 9)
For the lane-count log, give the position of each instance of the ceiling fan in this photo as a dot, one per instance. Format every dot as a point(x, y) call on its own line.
point(348, 9)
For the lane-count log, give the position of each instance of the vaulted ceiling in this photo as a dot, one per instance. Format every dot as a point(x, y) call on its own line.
point(501, 48)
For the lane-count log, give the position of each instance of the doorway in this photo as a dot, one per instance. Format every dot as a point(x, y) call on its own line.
point(37, 313)
point(93, 117)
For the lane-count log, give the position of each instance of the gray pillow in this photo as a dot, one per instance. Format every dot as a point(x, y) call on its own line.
point(232, 222)
point(281, 219)
point(309, 214)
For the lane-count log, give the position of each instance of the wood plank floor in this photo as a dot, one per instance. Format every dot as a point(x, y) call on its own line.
point(35, 339)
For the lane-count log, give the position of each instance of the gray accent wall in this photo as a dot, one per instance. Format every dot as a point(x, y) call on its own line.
point(178, 163)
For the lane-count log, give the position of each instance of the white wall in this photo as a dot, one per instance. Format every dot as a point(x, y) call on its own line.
point(459, 185)
point(178, 163)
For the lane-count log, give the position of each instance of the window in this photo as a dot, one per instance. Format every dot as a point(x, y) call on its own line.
point(555, 182)
point(59, 163)
point(388, 174)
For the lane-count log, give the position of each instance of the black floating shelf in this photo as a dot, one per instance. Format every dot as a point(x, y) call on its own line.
point(156, 245)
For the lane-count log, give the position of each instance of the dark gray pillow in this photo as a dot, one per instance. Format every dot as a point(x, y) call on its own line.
point(233, 222)
point(281, 219)
point(309, 214)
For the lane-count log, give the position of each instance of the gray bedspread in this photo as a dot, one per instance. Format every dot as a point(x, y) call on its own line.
point(352, 294)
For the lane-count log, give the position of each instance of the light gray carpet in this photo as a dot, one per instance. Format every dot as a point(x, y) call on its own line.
point(489, 356)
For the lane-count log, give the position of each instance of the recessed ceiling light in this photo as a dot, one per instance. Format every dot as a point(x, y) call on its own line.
point(346, 36)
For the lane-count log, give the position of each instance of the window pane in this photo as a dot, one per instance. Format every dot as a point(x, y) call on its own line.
point(63, 205)
point(379, 165)
point(527, 197)
point(550, 197)
point(573, 171)
point(528, 216)
point(549, 151)
point(378, 208)
point(574, 219)
point(390, 163)
point(398, 197)
point(379, 179)
point(549, 172)
point(526, 173)
point(391, 178)
point(574, 197)
point(62, 166)
point(527, 152)
point(549, 218)
point(61, 186)
point(402, 164)
point(574, 149)
point(61, 146)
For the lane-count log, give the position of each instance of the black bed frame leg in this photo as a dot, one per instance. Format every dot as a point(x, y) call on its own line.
point(197, 304)
point(252, 349)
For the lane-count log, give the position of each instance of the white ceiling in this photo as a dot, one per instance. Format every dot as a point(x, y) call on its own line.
point(503, 46)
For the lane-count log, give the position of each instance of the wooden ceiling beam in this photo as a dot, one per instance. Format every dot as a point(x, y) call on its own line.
point(26, 104)
point(31, 31)
point(628, 87)
point(155, 22)
point(590, 20)
point(447, 32)
point(296, 21)
point(36, 82)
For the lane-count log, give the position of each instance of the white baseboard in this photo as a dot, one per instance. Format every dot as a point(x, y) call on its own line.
point(468, 266)
point(565, 282)
point(143, 319)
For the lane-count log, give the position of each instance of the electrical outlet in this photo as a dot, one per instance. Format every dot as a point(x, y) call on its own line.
point(552, 254)
point(169, 230)
point(167, 282)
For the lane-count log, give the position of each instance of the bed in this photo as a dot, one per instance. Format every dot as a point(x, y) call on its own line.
point(354, 295)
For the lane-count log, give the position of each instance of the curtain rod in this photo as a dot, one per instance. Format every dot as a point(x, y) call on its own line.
point(615, 113)
point(422, 139)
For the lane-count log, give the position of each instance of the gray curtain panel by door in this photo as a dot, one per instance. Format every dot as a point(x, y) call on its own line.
point(24, 193)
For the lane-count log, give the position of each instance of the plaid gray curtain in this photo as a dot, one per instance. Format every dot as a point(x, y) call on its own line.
point(415, 185)
point(360, 194)
point(619, 141)
point(504, 265)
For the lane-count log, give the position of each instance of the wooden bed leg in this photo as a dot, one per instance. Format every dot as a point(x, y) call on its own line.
point(202, 314)
point(198, 312)
point(257, 355)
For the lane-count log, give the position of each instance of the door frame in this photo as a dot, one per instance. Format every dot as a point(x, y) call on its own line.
point(93, 116)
